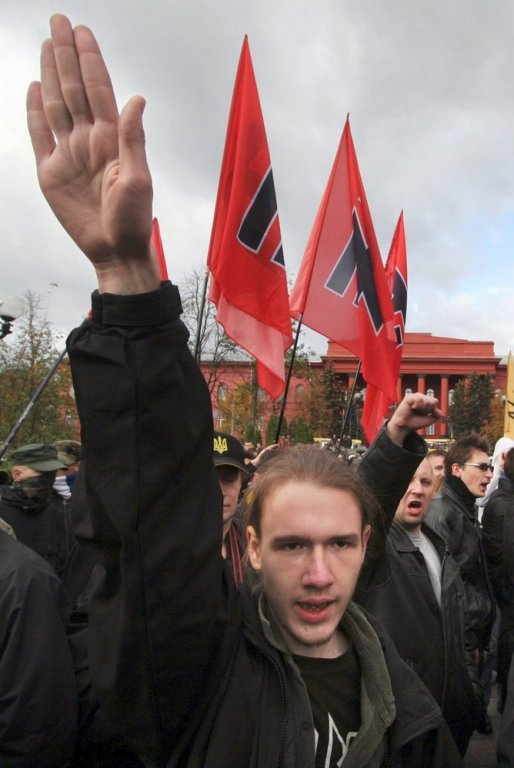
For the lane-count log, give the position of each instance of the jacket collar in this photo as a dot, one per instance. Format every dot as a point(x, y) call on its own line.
point(403, 543)
point(367, 646)
point(448, 492)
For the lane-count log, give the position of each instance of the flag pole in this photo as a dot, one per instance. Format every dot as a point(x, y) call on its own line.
point(199, 324)
point(35, 397)
point(288, 380)
point(352, 392)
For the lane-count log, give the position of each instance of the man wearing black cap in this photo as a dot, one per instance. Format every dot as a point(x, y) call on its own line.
point(30, 505)
point(229, 460)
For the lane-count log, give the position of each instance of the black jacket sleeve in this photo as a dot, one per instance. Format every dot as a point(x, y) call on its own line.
point(387, 470)
point(154, 515)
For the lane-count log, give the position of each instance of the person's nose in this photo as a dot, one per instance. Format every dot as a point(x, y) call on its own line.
point(318, 573)
point(416, 488)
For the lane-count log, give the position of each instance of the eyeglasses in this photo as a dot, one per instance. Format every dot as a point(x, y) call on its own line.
point(483, 467)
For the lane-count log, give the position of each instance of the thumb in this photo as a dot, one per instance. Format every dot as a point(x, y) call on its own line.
point(131, 137)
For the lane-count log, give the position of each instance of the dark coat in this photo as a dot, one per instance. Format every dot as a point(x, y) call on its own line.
point(42, 527)
point(38, 698)
point(428, 637)
point(459, 528)
point(178, 657)
point(498, 538)
point(506, 734)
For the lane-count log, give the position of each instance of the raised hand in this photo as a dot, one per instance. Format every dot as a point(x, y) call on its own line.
point(91, 161)
point(415, 411)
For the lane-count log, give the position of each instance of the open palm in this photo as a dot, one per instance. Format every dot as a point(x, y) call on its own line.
point(91, 162)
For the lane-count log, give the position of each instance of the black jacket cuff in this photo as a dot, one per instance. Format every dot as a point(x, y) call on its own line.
point(143, 309)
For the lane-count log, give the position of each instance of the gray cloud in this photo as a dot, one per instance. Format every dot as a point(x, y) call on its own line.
point(426, 85)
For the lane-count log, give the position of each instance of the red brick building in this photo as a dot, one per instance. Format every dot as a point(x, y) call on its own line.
point(430, 364)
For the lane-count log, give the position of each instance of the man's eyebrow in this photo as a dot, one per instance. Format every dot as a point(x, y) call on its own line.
point(278, 541)
point(292, 538)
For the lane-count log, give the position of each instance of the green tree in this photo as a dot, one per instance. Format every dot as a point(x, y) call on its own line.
point(494, 428)
point(25, 360)
point(271, 430)
point(327, 398)
point(471, 407)
point(300, 431)
point(253, 434)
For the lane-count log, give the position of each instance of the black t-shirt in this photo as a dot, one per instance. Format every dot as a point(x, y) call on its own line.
point(334, 687)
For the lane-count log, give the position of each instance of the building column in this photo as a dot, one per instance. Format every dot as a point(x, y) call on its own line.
point(443, 404)
point(422, 388)
point(422, 383)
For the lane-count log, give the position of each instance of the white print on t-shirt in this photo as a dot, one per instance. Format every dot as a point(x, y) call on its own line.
point(335, 742)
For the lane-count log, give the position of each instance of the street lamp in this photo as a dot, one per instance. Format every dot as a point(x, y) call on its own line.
point(11, 307)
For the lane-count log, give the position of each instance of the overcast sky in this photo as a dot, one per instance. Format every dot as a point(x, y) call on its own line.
point(428, 88)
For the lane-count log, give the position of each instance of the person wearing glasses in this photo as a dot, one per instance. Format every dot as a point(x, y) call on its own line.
point(452, 514)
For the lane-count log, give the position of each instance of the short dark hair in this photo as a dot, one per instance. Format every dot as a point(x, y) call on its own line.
point(308, 464)
point(461, 451)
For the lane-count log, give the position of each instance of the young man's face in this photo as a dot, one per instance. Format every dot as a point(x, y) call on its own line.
point(230, 479)
point(474, 478)
point(438, 468)
point(310, 553)
point(414, 505)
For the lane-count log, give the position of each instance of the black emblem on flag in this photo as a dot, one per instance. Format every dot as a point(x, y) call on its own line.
point(356, 258)
point(399, 305)
point(259, 217)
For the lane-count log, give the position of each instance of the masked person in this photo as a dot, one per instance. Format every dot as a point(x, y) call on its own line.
point(69, 452)
point(32, 508)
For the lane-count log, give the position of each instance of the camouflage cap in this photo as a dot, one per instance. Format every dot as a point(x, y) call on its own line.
point(69, 451)
point(40, 457)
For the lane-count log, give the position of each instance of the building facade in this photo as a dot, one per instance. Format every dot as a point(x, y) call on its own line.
point(430, 364)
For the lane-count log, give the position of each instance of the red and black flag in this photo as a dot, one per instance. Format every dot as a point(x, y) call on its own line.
point(246, 260)
point(377, 402)
point(341, 290)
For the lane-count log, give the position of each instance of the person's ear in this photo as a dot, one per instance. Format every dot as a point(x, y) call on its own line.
point(16, 474)
point(366, 533)
point(253, 548)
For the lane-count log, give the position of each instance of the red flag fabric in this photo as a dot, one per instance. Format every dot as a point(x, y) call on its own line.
point(377, 402)
point(158, 249)
point(246, 261)
point(341, 290)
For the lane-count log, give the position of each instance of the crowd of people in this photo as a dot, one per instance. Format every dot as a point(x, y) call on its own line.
point(174, 598)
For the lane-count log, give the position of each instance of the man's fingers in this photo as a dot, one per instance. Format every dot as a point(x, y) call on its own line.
point(68, 79)
point(41, 135)
point(56, 111)
point(131, 139)
point(95, 77)
point(77, 83)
